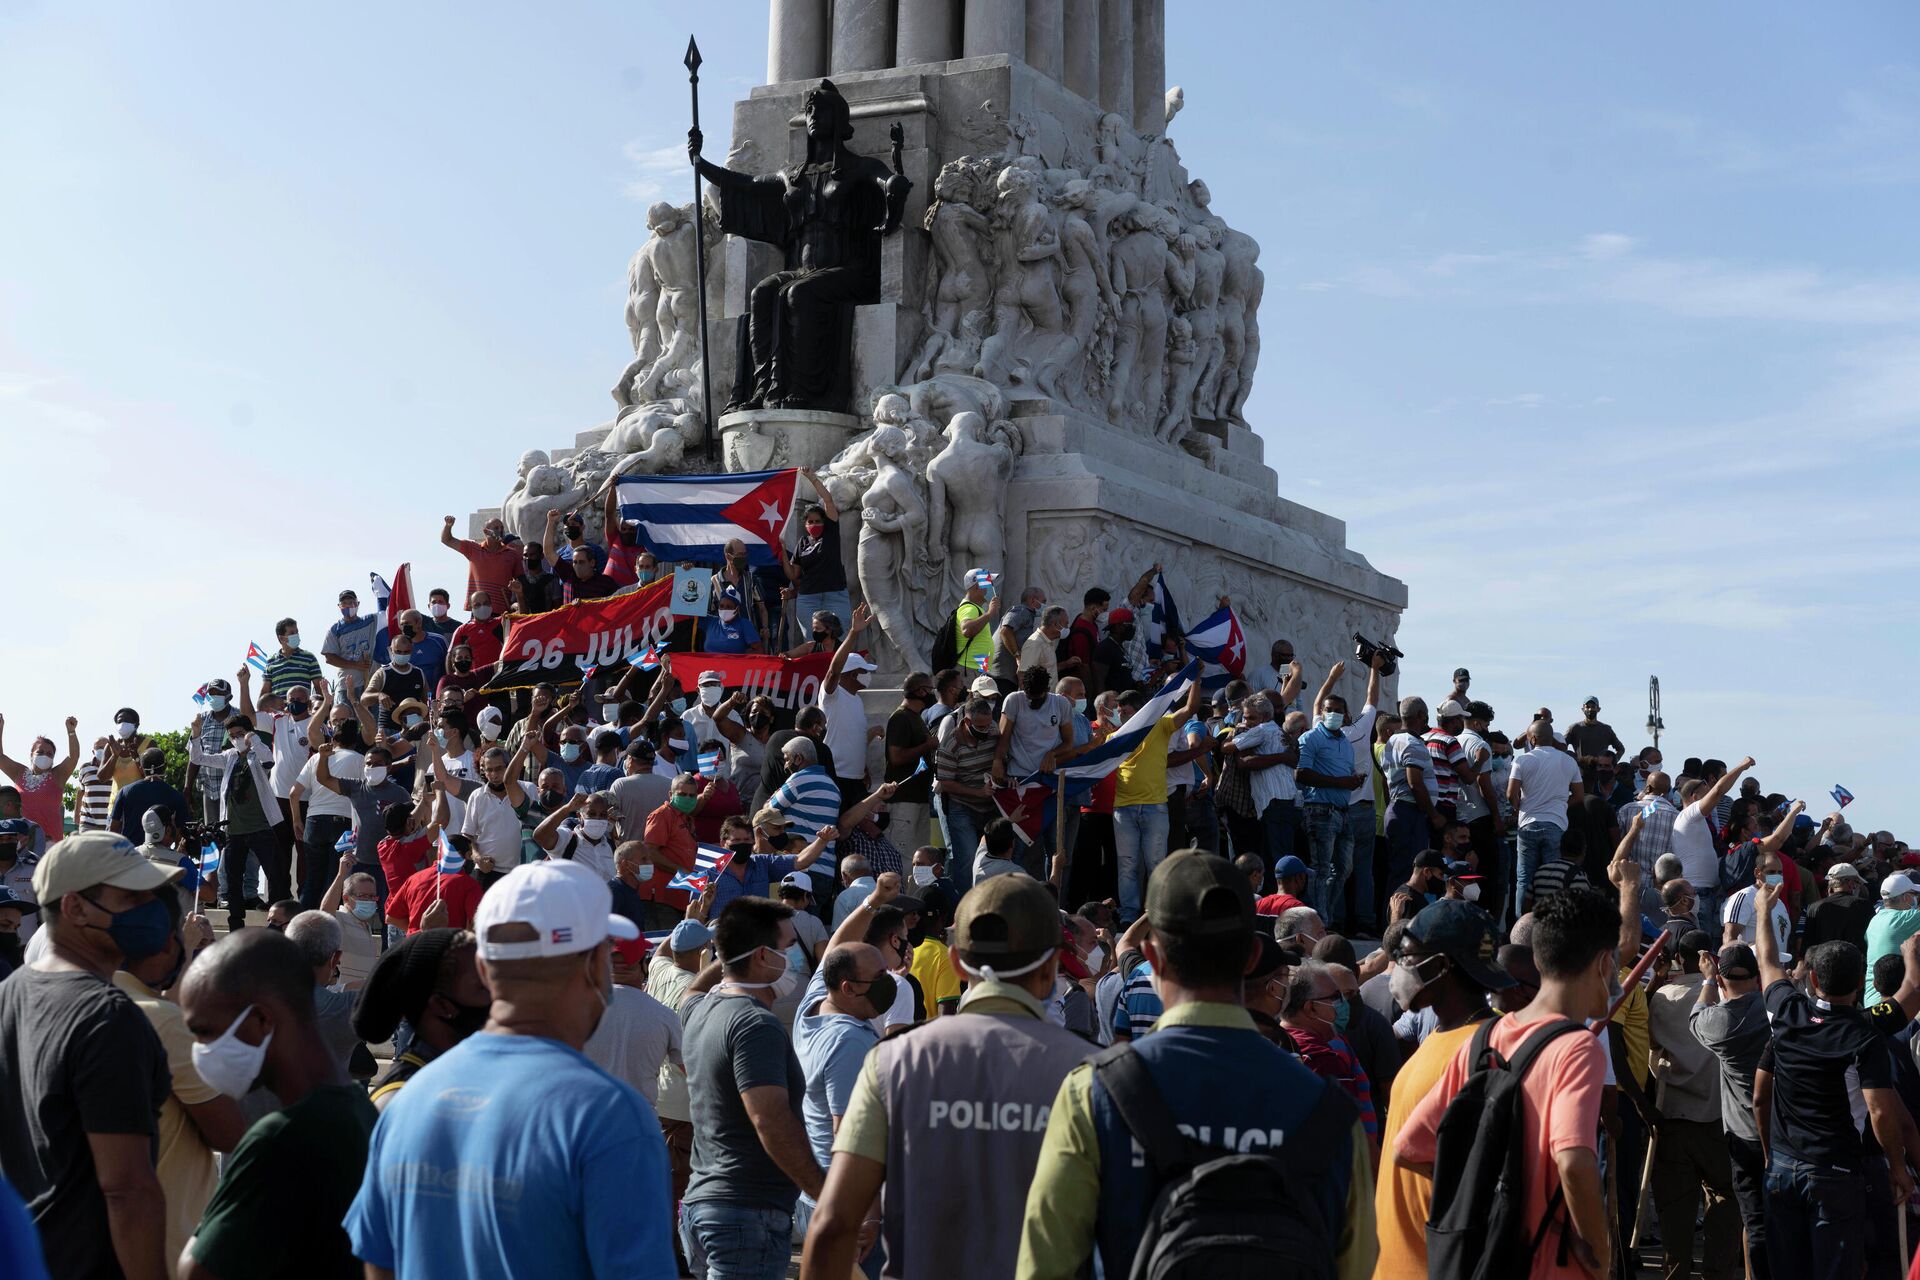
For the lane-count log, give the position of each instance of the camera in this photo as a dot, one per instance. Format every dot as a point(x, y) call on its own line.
point(1364, 649)
point(199, 835)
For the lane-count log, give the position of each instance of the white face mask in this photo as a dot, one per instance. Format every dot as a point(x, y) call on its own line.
point(609, 713)
point(376, 774)
point(42, 762)
point(438, 610)
point(595, 829)
point(490, 730)
point(126, 729)
point(923, 875)
point(1471, 893)
point(231, 1065)
point(483, 611)
point(1096, 956)
point(99, 755)
point(218, 701)
point(728, 615)
point(781, 986)
point(711, 695)
point(643, 872)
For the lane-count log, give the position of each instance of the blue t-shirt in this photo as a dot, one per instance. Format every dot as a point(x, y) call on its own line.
point(1326, 751)
point(597, 777)
point(831, 1048)
point(430, 657)
point(728, 637)
point(512, 1156)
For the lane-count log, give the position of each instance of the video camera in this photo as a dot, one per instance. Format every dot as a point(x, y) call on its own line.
point(1364, 649)
point(199, 835)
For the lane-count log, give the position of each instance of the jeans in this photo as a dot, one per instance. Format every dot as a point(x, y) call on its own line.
point(1140, 845)
point(1360, 841)
point(963, 841)
point(836, 603)
point(255, 845)
point(1750, 1193)
point(737, 1241)
point(1330, 844)
point(1816, 1220)
point(1539, 843)
point(1409, 835)
point(1278, 822)
point(323, 831)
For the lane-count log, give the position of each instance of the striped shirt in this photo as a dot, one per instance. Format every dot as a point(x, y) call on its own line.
point(1447, 755)
point(810, 800)
point(96, 794)
point(1656, 829)
point(285, 670)
point(1139, 1005)
point(959, 759)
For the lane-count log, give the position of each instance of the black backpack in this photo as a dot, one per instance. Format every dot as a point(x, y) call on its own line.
point(946, 643)
point(1222, 1215)
point(1476, 1225)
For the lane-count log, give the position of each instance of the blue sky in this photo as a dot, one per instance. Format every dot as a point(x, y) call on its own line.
point(1601, 328)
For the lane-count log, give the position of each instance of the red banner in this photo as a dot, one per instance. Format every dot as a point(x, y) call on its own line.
point(557, 646)
point(792, 683)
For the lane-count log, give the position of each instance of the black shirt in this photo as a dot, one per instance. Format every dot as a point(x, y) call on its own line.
point(1594, 739)
point(818, 560)
point(1120, 676)
point(906, 730)
point(598, 587)
point(1811, 1051)
point(539, 592)
point(76, 1057)
point(1842, 917)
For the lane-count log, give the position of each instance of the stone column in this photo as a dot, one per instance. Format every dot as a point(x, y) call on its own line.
point(1116, 57)
point(926, 31)
point(994, 26)
point(796, 40)
point(1080, 28)
point(1150, 65)
point(1046, 35)
point(862, 35)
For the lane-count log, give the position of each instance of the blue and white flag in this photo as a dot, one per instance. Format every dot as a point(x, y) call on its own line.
point(1105, 758)
point(1221, 648)
point(709, 860)
point(349, 842)
point(450, 859)
point(1841, 796)
point(694, 517)
point(1163, 616)
point(207, 866)
point(709, 762)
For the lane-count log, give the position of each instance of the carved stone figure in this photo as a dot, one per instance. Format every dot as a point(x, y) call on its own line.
point(1176, 99)
point(1086, 282)
point(1203, 310)
point(665, 272)
point(893, 530)
point(1183, 373)
point(961, 235)
point(1027, 317)
point(1145, 275)
point(1240, 288)
point(544, 488)
point(966, 498)
point(827, 214)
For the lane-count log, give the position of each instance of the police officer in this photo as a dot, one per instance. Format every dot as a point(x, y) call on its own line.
point(953, 1112)
point(1216, 1077)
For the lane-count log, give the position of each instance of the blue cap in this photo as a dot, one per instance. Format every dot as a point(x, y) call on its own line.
point(15, 827)
point(8, 898)
point(689, 935)
point(1289, 866)
point(1803, 822)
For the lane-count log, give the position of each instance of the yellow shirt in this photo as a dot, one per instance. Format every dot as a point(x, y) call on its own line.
point(977, 653)
point(934, 973)
point(1632, 1021)
point(1143, 775)
point(185, 1167)
point(1401, 1197)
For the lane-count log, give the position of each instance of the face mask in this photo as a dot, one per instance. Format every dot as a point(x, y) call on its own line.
point(679, 745)
point(483, 611)
point(576, 531)
point(218, 701)
point(1080, 705)
point(595, 829)
point(679, 708)
point(553, 799)
point(230, 1065)
point(683, 803)
point(410, 630)
point(781, 986)
point(462, 665)
point(298, 710)
point(42, 763)
point(440, 736)
point(1342, 1011)
point(349, 611)
point(819, 637)
point(711, 696)
point(99, 755)
point(1333, 719)
point(403, 662)
point(466, 1019)
point(1776, 878)
point(880, 992)
point(1096, 956)
point(126, 729)
point(923, 875)
point(292, 640)
point(139, 931)
point(570, 751)
point(437, 610)
point(1471, 893)
point(728, 615)
point(741, 848)
point(643, 872)
point(609, 713)
point(376, 774)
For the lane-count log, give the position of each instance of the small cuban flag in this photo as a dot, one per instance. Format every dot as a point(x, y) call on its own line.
point(708, 861)
point(919, 768)
point(257, 657)
point(450, 859)
point(647, 659)
point(588, 673)
point(200, 695)
point(980, 660)
point(709, 762)
point(347, 843)
point(209, 863)
point(1841, 796)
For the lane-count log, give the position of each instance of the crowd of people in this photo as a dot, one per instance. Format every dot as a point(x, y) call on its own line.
point(1070, 960)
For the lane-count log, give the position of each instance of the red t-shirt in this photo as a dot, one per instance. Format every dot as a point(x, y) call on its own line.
point(482, 637)
point(461, 893)
point(489, 571)
point(399, 859)
point(1275, 903)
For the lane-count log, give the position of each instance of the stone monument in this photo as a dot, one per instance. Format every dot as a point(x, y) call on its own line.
point(1048, 360)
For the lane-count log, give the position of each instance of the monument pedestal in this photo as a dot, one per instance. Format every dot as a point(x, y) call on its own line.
point(768, 439)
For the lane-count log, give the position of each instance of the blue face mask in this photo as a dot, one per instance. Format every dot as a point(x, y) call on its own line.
point(139, 931)
point(365, 908)
point(1333, 719)
point(679, 706)
point(570, 751)
point(1776, 878)
point(1342, 1011)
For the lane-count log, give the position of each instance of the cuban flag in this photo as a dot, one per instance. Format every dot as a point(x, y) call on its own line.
point(1036, 797)
point(693, 517)
point(709, 764)
point(200, 696)
point(202, 869)
point(647, 659)
point(257, 657)
point(450, 859)
point(981, 660)
point(1841, 796)
point(1120, 744)
point(1221, 648)
point(1162, 615)
point(388, 604)
point(709, 860)
point(347, 843)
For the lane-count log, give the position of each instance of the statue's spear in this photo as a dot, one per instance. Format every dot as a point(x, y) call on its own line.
point(700, 259)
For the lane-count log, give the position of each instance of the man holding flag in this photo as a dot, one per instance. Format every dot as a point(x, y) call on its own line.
point(444, 895)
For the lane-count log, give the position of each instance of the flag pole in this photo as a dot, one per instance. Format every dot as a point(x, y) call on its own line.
point(692, 61)
point(1059, 837)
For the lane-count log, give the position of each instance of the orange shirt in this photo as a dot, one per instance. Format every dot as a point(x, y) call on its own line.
point(1560, 1111)
point(670, 834)
point(1401, 1196)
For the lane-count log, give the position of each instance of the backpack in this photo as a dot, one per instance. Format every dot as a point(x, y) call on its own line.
point(946, 643)
point(1476, 1226)
point(1224, 1215)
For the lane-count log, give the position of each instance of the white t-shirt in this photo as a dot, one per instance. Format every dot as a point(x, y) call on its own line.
point(595, 856)
point(635, 1036)
point(1738, 910)
point(1360, 737)
point(1545, 778)
point(1693, 845)
point(493, 826)
point(290, 752)
point(324, 800)
point(1471, 803)
point(846, 730)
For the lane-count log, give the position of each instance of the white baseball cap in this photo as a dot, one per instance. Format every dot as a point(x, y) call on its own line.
point(1896, 884)
point(856, 663)
point(99, 857)
point(569, 907)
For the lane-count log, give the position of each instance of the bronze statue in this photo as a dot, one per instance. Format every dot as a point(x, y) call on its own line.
point(827, 214)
